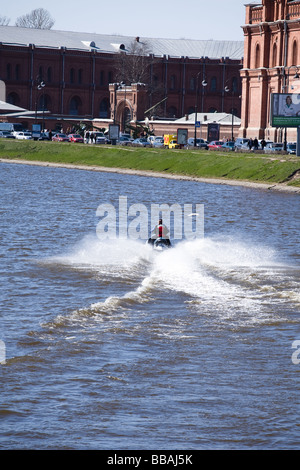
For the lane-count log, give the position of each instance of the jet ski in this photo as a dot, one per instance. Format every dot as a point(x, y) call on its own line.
point(160, 243)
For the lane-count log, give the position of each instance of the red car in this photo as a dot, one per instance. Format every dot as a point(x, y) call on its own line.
point(215, 144)
point(60, 138)
point(75, 138)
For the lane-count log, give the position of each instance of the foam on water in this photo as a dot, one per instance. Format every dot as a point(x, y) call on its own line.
point(228, 278)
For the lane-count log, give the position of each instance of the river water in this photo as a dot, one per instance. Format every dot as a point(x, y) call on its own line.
point(107, 344)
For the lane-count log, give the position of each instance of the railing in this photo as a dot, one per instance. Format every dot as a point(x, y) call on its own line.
point(293, 10)
point(256, 14)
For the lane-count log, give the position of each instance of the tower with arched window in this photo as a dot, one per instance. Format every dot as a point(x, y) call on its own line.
point(271, 63)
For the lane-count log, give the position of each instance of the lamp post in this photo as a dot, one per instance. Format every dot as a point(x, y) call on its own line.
point(286, 88)
point(40, 86)
point(227, 90)
point(204, 84)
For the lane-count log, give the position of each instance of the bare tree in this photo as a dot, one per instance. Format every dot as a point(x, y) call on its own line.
point(132, 66)
point(4, 21)
point(37, 19)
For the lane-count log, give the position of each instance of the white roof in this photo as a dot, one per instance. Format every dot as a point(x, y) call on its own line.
point(111, 43)
point(207, 118)
point(8, 108)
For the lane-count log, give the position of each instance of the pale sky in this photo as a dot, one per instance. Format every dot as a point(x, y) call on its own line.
point(173, 19)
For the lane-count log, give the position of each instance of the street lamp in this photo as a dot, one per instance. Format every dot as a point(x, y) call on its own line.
point(286, 88)
point(227, 90)
point(204, 84)
point(40, 86)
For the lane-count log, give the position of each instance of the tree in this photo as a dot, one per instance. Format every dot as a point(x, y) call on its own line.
point(4, 21)
point(132, 66)
point(38, 19)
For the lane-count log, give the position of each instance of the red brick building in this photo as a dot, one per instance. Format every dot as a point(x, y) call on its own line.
point(271, 64)
point(77, 69)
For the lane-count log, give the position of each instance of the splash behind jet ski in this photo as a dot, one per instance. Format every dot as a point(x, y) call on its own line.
point(160, 243)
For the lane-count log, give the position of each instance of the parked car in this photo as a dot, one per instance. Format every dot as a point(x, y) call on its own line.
point(75, 138)
point(241, 143)
point(291, 148)
point(44, 136)
point(158, 142)
point(154, 138)
point(200, 143)
point(60, 138)
point(124, 140)
point(215, 145)
point(228, 146)
point(100, 138)
point(274, 148)
point(141, 142)
point(6, 135)
point(23, 135)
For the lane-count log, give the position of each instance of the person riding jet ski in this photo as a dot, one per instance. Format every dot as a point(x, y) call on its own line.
point(160, 235)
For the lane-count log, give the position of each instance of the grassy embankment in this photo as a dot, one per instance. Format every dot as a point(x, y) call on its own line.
point(251, 167)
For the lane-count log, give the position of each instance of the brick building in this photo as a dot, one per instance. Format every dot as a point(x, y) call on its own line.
point(271, 64)
point(76, 70)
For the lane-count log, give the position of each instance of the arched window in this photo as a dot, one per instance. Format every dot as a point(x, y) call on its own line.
point(257, 57)
point(295, 53)
point(274, 56)
point(80, 76)
point(213, 84)
point(172, 112)
point(172, 82)
point(72, 76)
point(13, 98)
point(8, 71)
point(101, 77)
point(75, 106)
point(235, 86)
point(49, 74)
point(104, 109)
point(44, 102)
point(18, 69)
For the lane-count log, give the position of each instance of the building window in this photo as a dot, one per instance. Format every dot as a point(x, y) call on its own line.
point(72, 76)
point(172, 82)
point(213, 84)
point(172, 112)
point(110, 77)
point(8, 71)
point(101, 78)
point(274, 57)
point(192, 84)
point(295, 53)
point(235, 86)
point(49, 75)
point(75, 105)
point(257, 57)
point(13, 98)
point(104, 109)
point(43, 103)
point(80, 76)
point(18, 68)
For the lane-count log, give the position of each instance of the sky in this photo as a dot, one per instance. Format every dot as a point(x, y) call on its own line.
point(172, 19)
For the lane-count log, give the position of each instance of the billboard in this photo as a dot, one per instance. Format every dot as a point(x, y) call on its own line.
point(182, 137)
point(285, 110)
point(213, 131)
